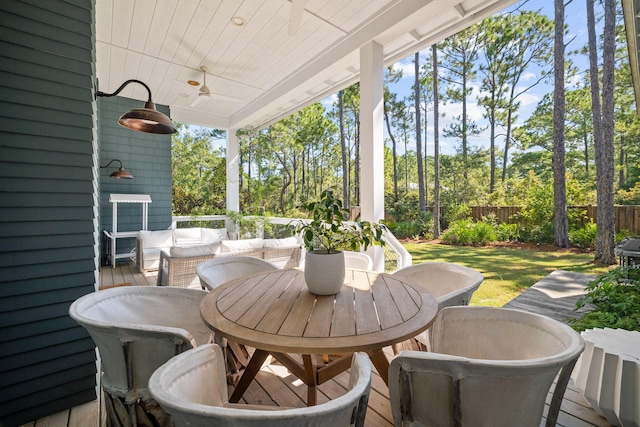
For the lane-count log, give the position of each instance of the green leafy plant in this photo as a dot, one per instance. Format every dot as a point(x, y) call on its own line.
point(247, 227)
point(615, 298)
point(328, 230)
point(469, 232)
point(584, 237)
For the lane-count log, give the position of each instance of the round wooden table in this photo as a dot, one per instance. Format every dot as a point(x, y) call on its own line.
point(276, 314)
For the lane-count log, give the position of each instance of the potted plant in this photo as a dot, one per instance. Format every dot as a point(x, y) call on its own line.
point(325, 236)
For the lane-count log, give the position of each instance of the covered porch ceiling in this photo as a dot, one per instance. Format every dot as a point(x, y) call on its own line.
point(284, 55)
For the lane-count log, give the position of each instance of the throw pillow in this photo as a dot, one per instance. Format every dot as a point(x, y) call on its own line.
point(187, 236)
point(241, 245)
point(281, 243)
point(156, 239)
point(193, 251)
point(212, 235)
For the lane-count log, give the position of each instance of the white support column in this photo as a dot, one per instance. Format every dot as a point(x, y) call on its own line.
point(372, 140)
point(233, 171)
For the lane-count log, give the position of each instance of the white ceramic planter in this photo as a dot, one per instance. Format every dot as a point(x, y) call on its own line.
point(324, 273)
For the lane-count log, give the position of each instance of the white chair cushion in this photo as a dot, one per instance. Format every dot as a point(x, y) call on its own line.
point(280, 243)
point(241, 245)
point(191, 251)
point(212, 235)
point(187, 236)
point(156, 239)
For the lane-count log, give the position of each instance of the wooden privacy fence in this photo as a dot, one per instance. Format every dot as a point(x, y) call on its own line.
point(627, 217)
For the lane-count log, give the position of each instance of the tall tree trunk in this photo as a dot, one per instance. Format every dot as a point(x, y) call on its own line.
point(585, 138)
point(343, 146)
point(465, 164)
point(621, 161)
point(426, 157)
point(394, 153)
point(561, 229)
point(605, 237)
point(492, 143)
point(507, 138)
point(416, 92)
point(406, 160)
point(436, 146)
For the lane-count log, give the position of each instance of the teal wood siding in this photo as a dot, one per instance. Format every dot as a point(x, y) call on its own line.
point(47, 205)
point(146, 156)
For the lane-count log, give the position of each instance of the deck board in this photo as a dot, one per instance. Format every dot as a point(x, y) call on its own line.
point(554, 296)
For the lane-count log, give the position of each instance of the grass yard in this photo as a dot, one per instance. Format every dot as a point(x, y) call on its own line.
point(507, 270)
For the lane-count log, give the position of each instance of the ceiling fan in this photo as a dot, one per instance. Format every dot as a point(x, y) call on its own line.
point(204, 93)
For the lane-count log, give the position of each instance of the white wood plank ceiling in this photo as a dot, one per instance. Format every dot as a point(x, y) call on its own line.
point(260, 71)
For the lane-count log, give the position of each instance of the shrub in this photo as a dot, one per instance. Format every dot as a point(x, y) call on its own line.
point(419, 226)
point(403, 229)
point(615, 299)
point(468, 232)
point(508, 232)
point(584, 237)
point(455, 212)
point(539, 233)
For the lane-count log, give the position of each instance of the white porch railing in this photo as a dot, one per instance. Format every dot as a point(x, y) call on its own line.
point(395, 255)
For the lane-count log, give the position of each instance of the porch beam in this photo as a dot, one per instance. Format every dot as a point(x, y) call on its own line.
point(372, 140)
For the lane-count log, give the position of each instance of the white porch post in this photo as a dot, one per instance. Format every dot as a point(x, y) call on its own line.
point(372, 140)
point(233, 171)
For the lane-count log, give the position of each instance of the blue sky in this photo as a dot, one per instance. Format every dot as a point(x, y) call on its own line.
point(575, 18)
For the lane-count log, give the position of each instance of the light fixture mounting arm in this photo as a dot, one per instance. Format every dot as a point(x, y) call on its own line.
point(109, 164)
point(123, 85)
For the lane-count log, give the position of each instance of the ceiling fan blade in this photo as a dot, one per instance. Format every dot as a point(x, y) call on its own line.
point(297, 9)
point(199, 99)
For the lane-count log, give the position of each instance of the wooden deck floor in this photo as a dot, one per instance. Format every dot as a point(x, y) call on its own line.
point(554, 296)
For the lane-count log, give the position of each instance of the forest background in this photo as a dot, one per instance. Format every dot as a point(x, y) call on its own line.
point(494, 106)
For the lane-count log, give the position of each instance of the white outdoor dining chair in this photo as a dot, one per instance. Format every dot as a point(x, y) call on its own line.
point(488, 367)
point(358, 260)
point(216, 271)
point(192, 388)
point(137, 329)
point(451, 284)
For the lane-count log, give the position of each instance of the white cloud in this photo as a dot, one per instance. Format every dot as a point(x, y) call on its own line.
point(329, 101)
point(528, 76)
point(528, 98)
point(575, 81)
point(407, 67)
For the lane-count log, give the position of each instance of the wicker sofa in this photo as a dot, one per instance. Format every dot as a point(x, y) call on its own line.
point(149, 244)
point(177, 267)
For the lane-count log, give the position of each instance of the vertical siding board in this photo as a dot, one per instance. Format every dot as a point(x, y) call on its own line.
point(47, 117)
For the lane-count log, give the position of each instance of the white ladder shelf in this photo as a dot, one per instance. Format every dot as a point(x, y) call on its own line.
point(114, 234)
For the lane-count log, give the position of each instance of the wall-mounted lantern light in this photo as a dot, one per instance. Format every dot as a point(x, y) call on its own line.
point(120, 173)
point(147, 119)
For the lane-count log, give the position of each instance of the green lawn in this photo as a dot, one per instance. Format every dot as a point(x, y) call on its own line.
point(507, 271)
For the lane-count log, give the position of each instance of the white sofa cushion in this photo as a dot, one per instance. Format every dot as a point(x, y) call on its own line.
point(152, 258)
point(212, 235)
point(281, 243)
point(241, 245)
point(187, 236)
point(190, 251)
point(156, 239)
